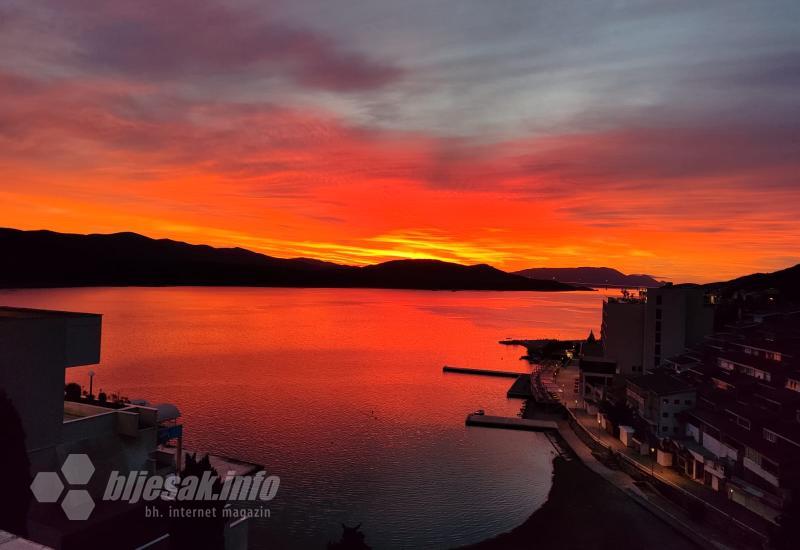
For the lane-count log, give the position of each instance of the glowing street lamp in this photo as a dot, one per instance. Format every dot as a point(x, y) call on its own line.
point(653, 463)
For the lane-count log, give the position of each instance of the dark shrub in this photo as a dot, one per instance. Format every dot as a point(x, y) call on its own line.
point(72, 392)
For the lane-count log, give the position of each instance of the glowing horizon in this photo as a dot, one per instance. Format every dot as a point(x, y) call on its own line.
point(650, 139)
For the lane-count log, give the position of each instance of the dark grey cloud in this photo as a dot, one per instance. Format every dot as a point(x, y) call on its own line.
point(197, 39)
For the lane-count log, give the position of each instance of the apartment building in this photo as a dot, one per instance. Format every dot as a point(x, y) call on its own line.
point(36, 347)
point(622, 333)
point(676, 318)
point(744, 435)
point(640, 332)
point(659, 399)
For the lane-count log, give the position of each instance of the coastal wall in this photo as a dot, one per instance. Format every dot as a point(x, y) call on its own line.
point(696, 509)
point(587, 439)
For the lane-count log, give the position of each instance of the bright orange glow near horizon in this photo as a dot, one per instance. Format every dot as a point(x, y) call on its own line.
point(359, 143)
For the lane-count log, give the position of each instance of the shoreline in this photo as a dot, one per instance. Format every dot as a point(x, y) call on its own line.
point(583, 510)
point(294, 287)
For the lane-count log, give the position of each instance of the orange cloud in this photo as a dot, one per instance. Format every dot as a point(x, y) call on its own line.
point(108, 155)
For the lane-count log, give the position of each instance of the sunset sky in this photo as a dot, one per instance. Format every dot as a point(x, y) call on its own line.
point(659, 137)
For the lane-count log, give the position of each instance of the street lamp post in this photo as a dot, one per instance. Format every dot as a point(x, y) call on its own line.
point(653, 463)
point(91, 383)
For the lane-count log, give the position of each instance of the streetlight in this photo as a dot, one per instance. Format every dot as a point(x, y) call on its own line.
point(653, 463)
point(91, 383)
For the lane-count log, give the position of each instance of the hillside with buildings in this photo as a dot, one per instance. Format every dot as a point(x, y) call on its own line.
point(591, 276)
point(718, 405)
point(763, 288)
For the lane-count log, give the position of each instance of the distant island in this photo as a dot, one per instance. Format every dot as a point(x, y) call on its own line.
point(591, 276)
point(50, 259)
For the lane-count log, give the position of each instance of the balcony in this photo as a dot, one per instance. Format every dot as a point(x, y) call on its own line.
point(84, 421)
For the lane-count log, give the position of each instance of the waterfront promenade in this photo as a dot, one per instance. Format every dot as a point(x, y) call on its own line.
point(646, 468)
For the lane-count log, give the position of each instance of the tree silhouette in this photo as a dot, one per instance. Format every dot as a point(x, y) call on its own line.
point(15, 476)
point(72, 392)
point(191, 533)
point(352, 539)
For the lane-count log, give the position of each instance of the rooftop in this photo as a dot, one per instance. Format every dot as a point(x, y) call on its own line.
point(661, 383)
point(625, 300)
point(7, 312)
point(598, 367)
point(9, 541)
point(684, 360)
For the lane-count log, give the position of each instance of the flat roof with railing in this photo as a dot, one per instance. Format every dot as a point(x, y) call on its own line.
point(9, 312)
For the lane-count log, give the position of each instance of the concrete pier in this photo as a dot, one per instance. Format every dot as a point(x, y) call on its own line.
point(510, 423)
point(484, 372)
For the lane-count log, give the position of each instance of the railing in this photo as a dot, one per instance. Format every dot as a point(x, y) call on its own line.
point(649, 472)
point(235, 537)
point(236, 534)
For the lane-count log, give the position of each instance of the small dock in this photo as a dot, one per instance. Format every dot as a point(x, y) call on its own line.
point(510, 423)
point(484, 372)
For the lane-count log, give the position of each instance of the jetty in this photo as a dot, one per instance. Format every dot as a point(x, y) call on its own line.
point(511, 423)
point(484, 372)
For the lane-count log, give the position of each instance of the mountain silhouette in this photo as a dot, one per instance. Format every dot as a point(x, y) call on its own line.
point(50, 259)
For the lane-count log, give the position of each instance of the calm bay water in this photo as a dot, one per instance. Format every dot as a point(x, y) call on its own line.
point(341, 394)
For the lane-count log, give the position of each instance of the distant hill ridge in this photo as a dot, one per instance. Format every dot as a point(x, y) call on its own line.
point(50, 259)
point(785, 281)
point(593, 276)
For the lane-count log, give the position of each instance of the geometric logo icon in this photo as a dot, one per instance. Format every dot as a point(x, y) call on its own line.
point(48, 487)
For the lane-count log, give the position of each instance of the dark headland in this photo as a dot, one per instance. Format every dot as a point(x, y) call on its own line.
point(50, 259)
